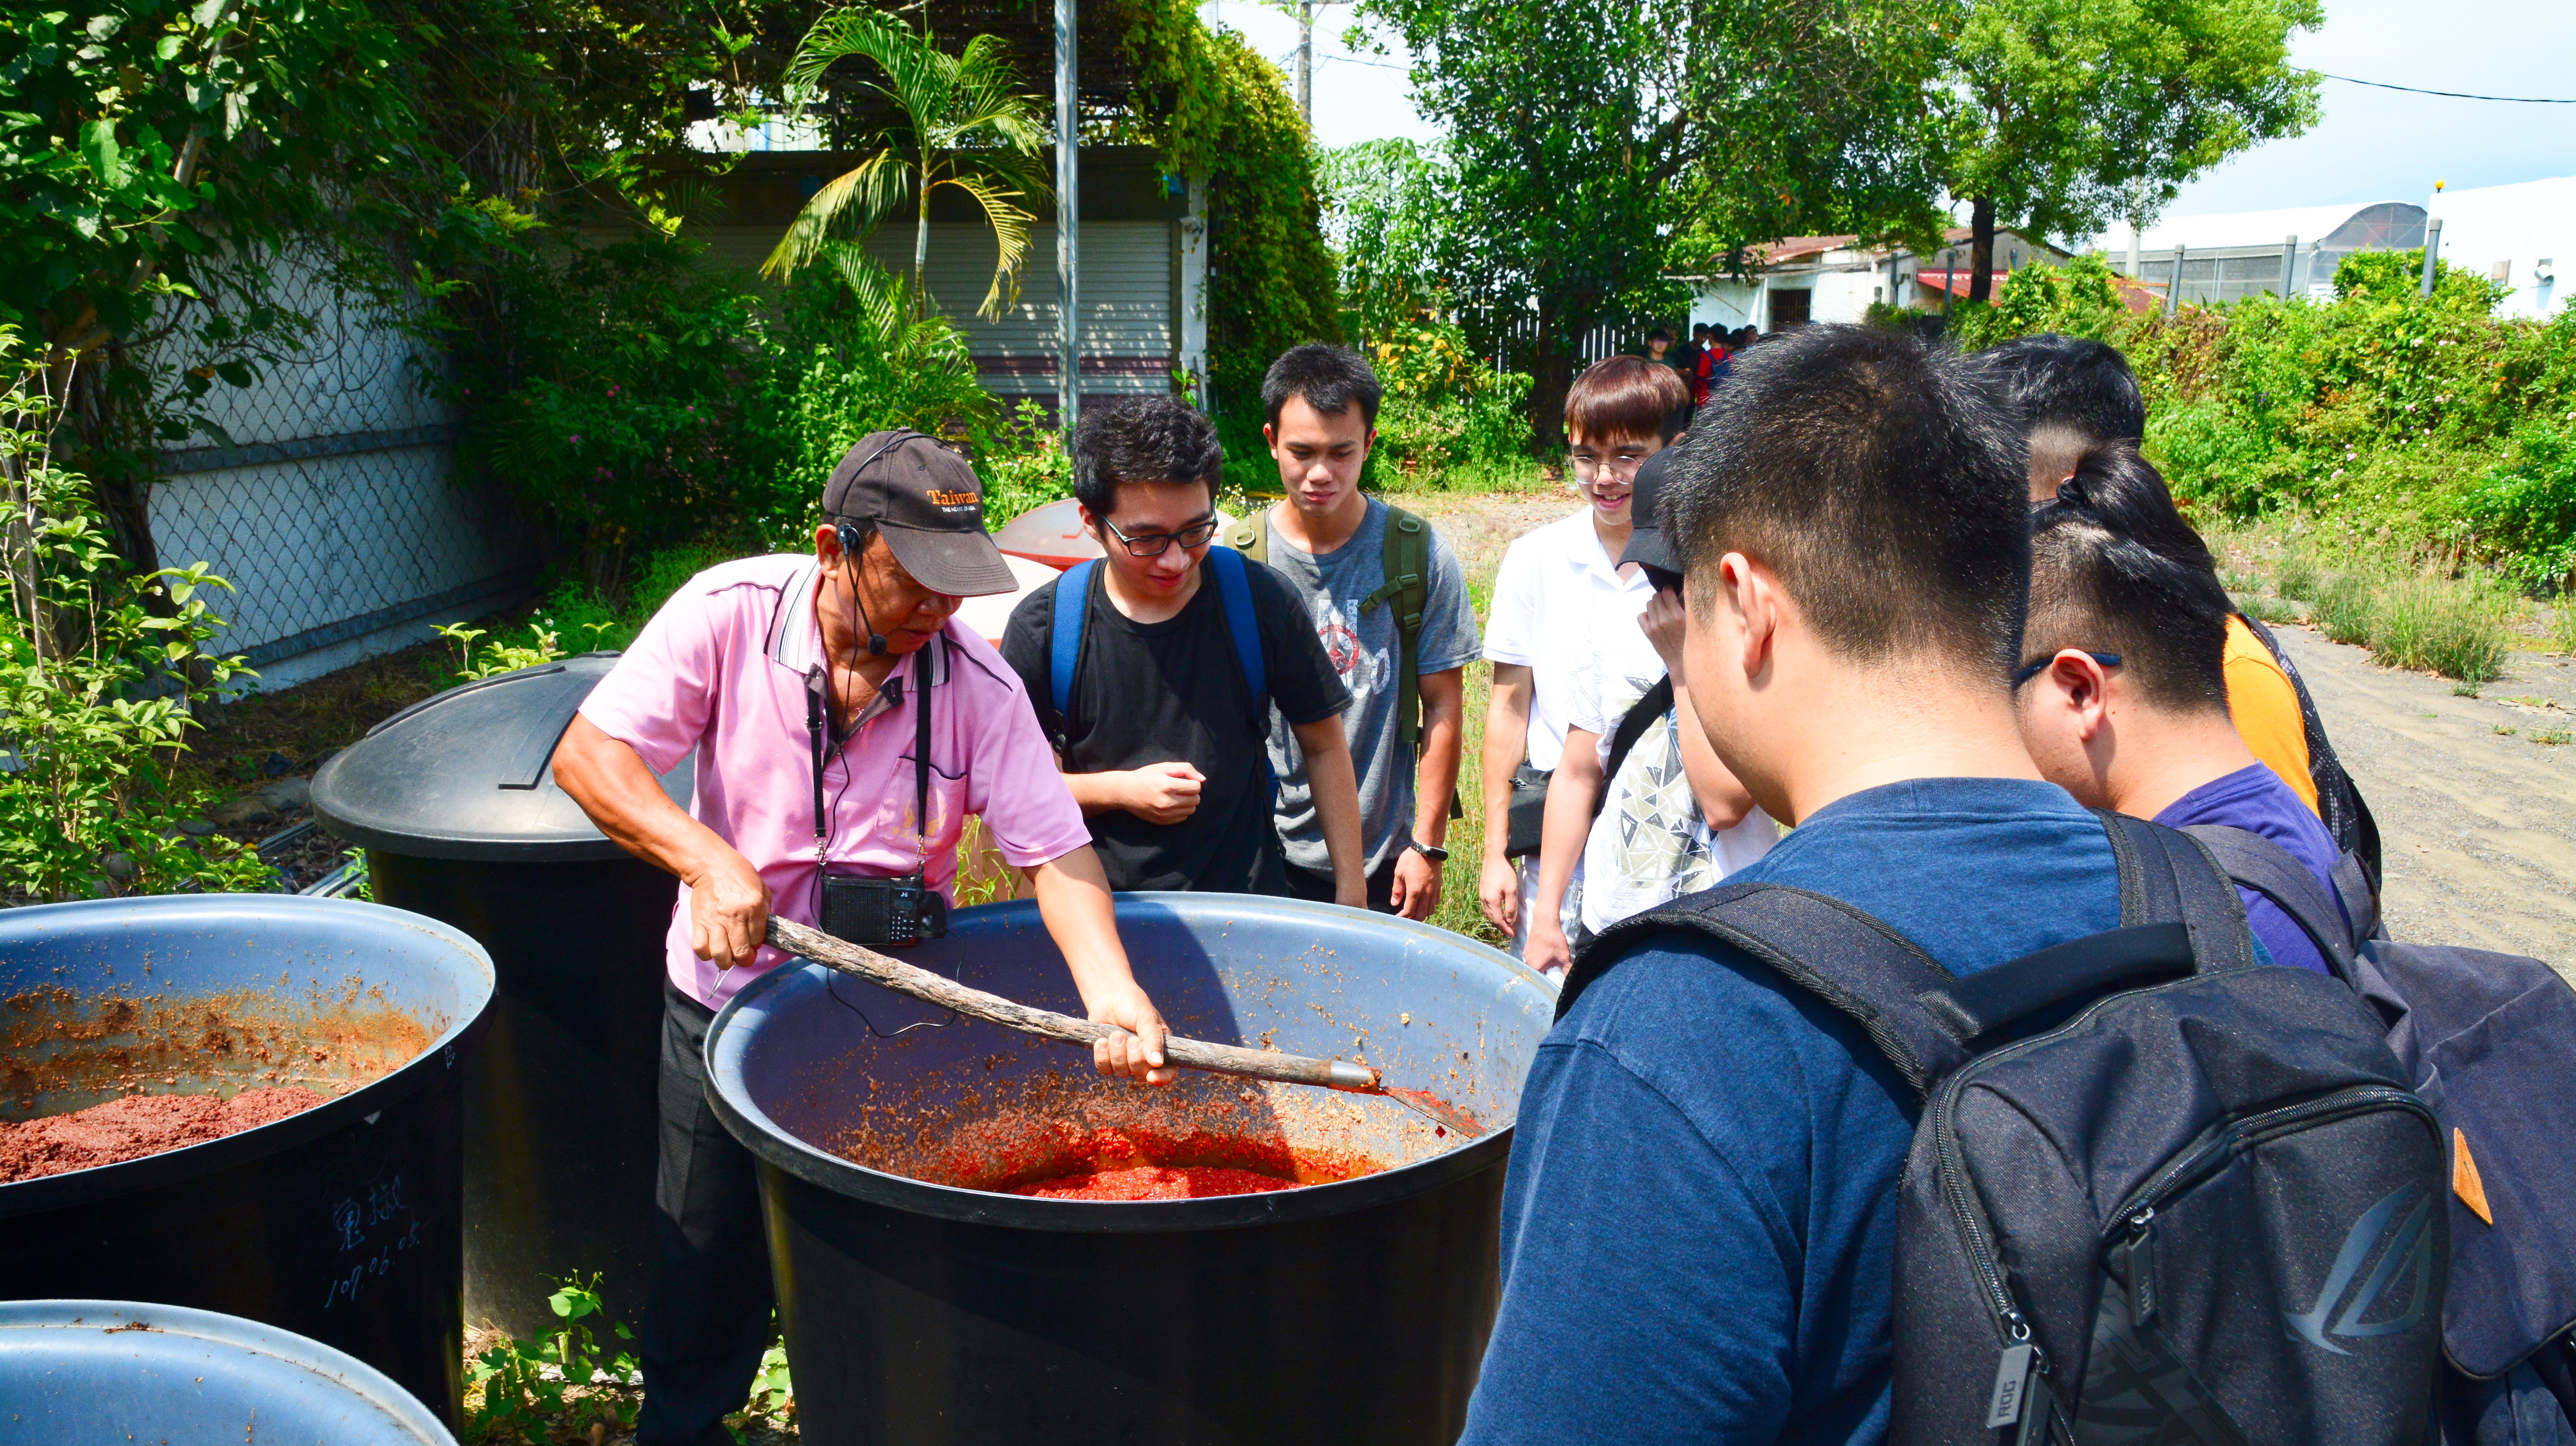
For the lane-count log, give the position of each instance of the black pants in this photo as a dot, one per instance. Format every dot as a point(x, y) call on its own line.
point(708, 1322)
point(1307, 884)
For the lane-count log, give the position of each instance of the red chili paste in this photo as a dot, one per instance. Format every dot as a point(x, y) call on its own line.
point(1155, 1182)
point(1127, 1163)
point(138, 1125)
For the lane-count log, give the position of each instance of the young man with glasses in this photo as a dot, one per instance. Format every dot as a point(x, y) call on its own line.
point(1557, 588)
point(1147, 686)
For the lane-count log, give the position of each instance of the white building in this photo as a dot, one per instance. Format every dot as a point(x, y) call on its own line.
point(2517, 235)
point(1835, 278)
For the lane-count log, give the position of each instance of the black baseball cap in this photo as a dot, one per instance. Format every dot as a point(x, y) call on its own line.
point(1646, 546)
point(929, 507)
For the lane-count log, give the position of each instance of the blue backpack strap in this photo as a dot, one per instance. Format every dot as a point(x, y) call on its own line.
point(1064, 645)
point(1234, 589)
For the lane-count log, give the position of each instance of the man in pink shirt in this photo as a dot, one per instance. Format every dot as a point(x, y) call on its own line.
point(805, 686)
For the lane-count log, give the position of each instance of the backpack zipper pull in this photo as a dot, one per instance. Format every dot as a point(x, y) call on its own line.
point(2142, 1267)
point(2014, 1374)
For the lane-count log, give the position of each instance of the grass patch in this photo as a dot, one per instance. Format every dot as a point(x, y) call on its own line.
point(2554, 737)
point(2506, 730)
point(2274, 610)
point(2436, 625)
point(2346, 607)
point(2296, 576)
point(2562, 624)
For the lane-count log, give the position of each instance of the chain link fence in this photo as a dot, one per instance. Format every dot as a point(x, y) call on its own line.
point(334, 512)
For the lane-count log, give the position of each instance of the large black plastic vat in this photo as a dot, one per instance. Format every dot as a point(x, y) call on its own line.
point(455, 802)
point(342, 1223)
point(923, 1312)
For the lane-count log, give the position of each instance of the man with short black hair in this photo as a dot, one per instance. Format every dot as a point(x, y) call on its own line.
point(1389, 605)
point(2123, 702)
point(1699, 1216)
point(2081, 406)
point(1155, 671)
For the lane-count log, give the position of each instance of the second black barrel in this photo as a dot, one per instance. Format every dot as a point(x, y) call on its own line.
point(455, 802)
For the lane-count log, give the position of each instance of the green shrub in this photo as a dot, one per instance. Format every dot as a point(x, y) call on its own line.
point(2408, 424)
point(98, 673)
point(1445, 409)
point(2562, 624)
point(598, 390)
point(2525, 507)
point(1026, 468)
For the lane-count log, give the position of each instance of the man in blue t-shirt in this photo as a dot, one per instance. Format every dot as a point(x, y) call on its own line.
point(2123, 701)
point(1699, 1221)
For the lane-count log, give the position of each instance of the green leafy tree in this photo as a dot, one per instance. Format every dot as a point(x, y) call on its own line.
point(962, 124)
point(1588, 139)
point(1385, 215)
point(157, 158)
point(2055, 116)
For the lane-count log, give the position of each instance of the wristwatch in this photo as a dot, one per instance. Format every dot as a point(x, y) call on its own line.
point(1436, 855)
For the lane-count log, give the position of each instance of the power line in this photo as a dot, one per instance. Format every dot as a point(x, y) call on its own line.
point(1374, 64)
point(2453, 94)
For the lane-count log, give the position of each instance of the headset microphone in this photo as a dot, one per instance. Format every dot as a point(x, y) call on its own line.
point(876, 640)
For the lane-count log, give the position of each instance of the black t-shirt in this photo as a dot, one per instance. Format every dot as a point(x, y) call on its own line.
point(1146, 693)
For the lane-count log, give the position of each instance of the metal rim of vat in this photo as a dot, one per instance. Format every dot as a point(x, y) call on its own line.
point(296, 1365)
point(776, 1145)
point(234, 911)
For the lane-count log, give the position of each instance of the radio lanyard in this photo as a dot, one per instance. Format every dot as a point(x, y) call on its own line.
point(818, 719)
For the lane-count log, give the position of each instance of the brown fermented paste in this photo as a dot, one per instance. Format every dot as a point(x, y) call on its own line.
point(138, 1125)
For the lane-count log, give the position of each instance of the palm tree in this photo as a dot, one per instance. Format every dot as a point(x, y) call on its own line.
point(964, 123)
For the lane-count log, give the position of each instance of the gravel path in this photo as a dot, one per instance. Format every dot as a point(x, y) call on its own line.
point(2478, 825)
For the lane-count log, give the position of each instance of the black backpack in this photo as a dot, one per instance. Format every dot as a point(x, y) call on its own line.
point(2489, 1042)
point(2156, 1194)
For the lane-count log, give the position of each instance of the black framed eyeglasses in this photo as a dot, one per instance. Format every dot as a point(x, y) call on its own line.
point(2033, 670)
point(1152, 544)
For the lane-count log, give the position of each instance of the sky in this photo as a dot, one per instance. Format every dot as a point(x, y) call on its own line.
point(2371, 145)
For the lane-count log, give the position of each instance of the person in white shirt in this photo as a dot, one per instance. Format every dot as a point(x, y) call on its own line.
point(1661, 816)
point(1555, 585)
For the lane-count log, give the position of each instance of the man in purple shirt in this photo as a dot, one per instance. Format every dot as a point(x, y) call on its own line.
point(2122, 699)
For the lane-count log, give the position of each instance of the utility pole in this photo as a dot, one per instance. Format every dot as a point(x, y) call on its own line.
point(1068, 215)
point(1306, 62)
point(2173, 290)
point(2289, 263)
point(2432, 249)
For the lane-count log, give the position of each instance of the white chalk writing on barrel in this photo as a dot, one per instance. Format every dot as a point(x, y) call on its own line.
point(377, 1225)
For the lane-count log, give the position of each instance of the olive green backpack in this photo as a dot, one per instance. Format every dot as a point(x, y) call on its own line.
point(1407, 585)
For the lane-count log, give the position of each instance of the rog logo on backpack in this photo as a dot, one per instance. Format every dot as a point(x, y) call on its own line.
point(2410, 1249)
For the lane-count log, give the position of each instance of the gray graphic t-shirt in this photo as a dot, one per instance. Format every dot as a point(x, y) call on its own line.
point(1364, 650)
